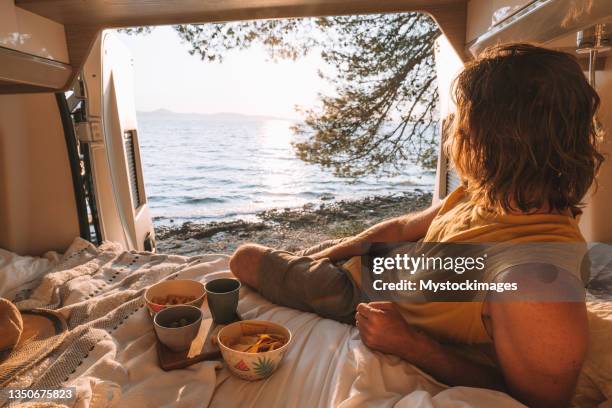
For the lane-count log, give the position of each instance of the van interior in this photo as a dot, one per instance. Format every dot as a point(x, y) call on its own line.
point(70, 168)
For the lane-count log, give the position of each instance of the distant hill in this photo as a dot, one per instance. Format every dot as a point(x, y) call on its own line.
point(226, 116)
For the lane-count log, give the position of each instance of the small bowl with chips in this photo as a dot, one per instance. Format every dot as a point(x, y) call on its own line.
point(174, 292)
point(253, 349)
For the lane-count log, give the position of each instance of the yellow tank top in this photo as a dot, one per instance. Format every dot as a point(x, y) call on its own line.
point(460, 220)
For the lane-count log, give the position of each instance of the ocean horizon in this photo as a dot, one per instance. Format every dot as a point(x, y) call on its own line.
point(227, 166)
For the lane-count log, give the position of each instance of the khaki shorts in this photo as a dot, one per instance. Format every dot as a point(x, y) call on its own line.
point(319, 286)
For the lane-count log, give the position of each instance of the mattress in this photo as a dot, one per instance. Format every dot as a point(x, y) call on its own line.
point(110, 355)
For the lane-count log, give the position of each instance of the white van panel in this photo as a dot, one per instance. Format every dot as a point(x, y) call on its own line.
point(481, 14)
point(115, 155)
point(24, 31)
point(448, 66)
point(596, 222)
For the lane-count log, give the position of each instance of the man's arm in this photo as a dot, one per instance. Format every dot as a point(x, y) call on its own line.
point(383, 328)
point(410, 227)
point(540, 345)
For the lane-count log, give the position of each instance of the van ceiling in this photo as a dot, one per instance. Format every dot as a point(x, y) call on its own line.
point(114, 13)
point(84, 19)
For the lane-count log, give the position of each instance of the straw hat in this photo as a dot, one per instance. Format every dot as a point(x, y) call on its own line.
point(27, 337)
point(11, 325)
point(20, 328)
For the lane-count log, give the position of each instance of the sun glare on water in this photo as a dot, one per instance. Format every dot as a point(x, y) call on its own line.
point(275, 140)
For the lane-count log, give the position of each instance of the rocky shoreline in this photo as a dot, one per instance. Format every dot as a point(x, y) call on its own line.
point(289, 228)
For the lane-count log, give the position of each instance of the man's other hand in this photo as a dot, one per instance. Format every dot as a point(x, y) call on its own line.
point(383, 328)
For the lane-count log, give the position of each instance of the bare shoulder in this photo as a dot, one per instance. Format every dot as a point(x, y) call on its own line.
point(539, 282)
point(548, 301)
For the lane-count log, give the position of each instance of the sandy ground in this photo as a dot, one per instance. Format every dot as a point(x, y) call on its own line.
point(289, 229)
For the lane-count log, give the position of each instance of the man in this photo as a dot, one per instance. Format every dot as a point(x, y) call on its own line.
point(524, 142)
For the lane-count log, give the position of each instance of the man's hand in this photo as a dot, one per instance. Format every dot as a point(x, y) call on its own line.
point(384, 329)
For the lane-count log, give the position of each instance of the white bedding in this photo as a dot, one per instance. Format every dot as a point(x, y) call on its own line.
point(17, 272)
point(326, 366)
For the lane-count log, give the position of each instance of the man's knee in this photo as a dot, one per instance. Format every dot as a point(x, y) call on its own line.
point(245, 262)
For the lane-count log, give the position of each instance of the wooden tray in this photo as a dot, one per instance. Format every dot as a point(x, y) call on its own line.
point(203, 347)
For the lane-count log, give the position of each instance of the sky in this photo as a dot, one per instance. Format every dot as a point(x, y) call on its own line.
point(247, 82)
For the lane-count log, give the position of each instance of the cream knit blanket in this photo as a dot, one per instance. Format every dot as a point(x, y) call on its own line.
point(109, 353)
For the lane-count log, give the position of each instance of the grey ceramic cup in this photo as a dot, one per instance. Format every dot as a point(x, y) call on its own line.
point(222, 295)
point(177, 338)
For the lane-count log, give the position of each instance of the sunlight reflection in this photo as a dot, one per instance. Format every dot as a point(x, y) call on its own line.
point(275, 137)
point(276, 133)
point(14, 39)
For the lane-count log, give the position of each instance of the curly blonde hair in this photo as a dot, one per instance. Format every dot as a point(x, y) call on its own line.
point(524, 135)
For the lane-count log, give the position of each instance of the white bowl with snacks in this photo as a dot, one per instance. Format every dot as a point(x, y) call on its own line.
point(174, 292)
point(253, 349)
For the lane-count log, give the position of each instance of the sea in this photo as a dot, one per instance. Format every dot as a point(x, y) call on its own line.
point(222, 167)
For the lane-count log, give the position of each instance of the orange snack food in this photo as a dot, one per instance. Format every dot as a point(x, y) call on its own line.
point(172, 300)
point(259, 343)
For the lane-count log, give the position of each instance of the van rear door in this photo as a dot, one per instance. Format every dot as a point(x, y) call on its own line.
point(109, 133)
